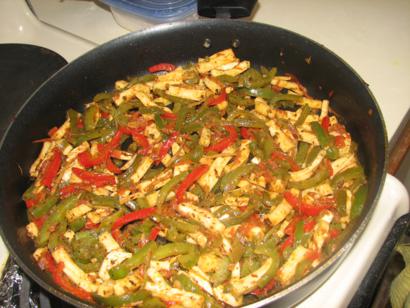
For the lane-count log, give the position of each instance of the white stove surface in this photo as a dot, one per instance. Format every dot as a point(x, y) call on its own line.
point(371, 35)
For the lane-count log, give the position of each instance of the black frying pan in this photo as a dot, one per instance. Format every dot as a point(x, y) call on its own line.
point(179, 43)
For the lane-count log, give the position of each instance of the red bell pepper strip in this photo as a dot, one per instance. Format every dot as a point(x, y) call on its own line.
point(339, 141)
point(329, 167)
point(141, 140)
point(216, 100)
point(265, 290)
point(168, 116)
point(276, 155)
point(154, 233)
point(111, 166)
point(326, 124)
point(291, 199)
point(130, 217)
point(40, 221)
point(89, 225)
point(52, 131)
point(287, 243)
point(190, 179)
point(97, 179)
point(246, 133)
point(307, 227)
point(312, 210)
point(333, 233)
point(71, 189)
point(115, 141)
point(313, 255)
point(52, 168)
point(60, 279)
point(224, 142)
point(87, 160)
point(30, 203)
point(162, 67)
point(166, 146)
point(117, 235)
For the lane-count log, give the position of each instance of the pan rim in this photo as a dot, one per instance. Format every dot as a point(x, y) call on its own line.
point(131, 37)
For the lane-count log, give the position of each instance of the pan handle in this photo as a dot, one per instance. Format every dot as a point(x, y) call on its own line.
point(225, 8)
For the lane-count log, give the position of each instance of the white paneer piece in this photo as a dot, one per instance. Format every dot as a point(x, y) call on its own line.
point(38, 253)
point(323, 189)
point(195, 93)
point(47, 147)
point(212, 84)
point(108, 242)
point(287, 271)
point(308, 137)
point(262, 107)
point(156, 182)
point(32, 230)
point(127, 284)
point(241, 157)
point(279, 213)
point(220, 60)
point(181, 167)
point(139, 90)
point(171, 78)
point(286, 143)
point(228, 298)
point(202, 216)
point(177, 149)
point(76, 274)
point(307, 172)
point(199, 238)
point(120, 84)
point(234, 71)
point(112, 259)
point(200, 278)
point(287, 83)
point(324, 112)
point(248, 283)
point(77, 212)
point(72, 155)
point(208, 180)
point(160, 288)
point(153, 133)
point(236, 272)
point(313, 103)
point(143, 167)
point(99, 214)
point(69, 235)
point(343, 163)
point(321, 230)
point(205, 138)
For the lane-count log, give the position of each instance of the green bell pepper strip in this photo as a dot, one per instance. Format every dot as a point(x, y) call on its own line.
point(107, 223)
point(238, 249)
point(78, 224)
point(174, 99)
point(89, 267)
point(105, 201)
point(359, 199)
point(299, 232)
point(159, 122)
point(341, 197)
point(226, 79)
point(169, 186)
point(79, 138)
point(311, 156)
point(236, 99)
point(287, 99)
point(250, 122)
point(320, 176)
point(102, 96)
point(303, 115)
point(302, 152)
point(302, 268)
point(90, 117)
point(236, 220)
point(121, 300)
point(55, 217)
point(29, 193)
point(231, 179)
point(121, 270)
point(321, 135)
point(197, 153)
point(180, 225)
point(189, 260)
point(153, 302)
point(222, 273)
point(73, 117)
point(187, 284)
point(181, 117)
point(271, 272)
point(332, 152)
point(56, 236)
point(347, 175)
point(173, 249)
point(44, 207)
point(142, 79)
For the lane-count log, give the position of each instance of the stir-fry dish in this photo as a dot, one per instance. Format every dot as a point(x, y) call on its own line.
point(212, 184)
